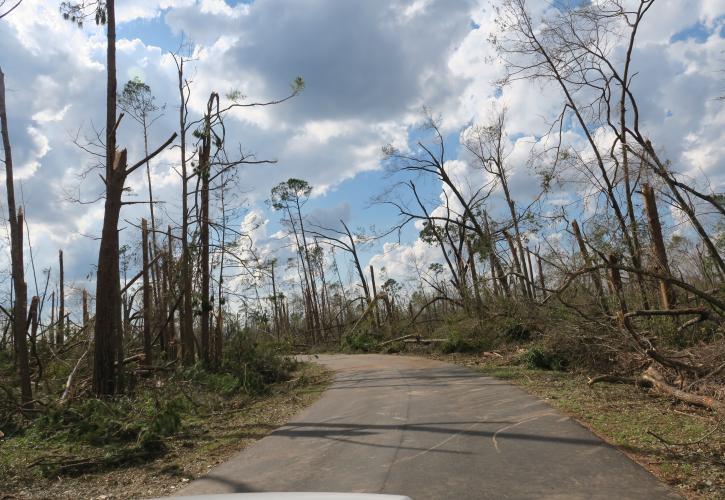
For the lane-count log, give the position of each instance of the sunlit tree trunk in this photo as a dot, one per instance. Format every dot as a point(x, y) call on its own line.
point(15, 218)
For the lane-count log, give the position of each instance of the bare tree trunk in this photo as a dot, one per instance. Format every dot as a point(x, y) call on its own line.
point(107, 329)
point(16, 251)
point(219, 329)
point(497, 275)
point(313, 286)
point(161, 322)
point(498, 161)
point(51, 328)
point(541, 276)
point(636, 245)
point(667, 295)
point(155, 247)
point(474, 275)
point(596, 279)
point(356, 260)
point(169, 263)
point(187, 319)
point(148, 354)
point(108, 301)
point(375, 294)
point(531, 273)
point(517, 265)
point(274, 303)
point(85, 308)
point(34, 323)
point(60, 332)
point(310, 313)
point(204, 153)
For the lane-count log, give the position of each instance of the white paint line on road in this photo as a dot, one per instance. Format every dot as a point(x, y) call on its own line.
point(436, 446)
point(511, 426)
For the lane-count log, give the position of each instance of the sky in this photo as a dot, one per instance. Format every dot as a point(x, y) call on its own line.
point(370, 68)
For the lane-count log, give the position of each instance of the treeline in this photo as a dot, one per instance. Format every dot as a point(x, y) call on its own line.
point(626, 278)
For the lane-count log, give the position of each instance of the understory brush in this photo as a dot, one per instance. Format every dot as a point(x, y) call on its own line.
point(360, 341)
point(84, 433)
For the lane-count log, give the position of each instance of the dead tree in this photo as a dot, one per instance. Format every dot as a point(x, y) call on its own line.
point(60, 331)
point(204, 175)
point(108, 297)
point(667, 296)
point(86, 318)
point(172, 341)
point(15, 219)
point(596, 278)
point(487, 145)
point(564, 52)
point(343, 239)
point(186, 316)
point(147, 321)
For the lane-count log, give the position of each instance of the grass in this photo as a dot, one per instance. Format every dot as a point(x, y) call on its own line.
point(626, 416)
point(211, 432)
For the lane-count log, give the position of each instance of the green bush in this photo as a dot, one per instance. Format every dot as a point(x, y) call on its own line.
point(222, 383)
point(457, 343)
point(538, 358)
point(516, 332)
point(359, 342)
point(255, 365)
point(142, 421)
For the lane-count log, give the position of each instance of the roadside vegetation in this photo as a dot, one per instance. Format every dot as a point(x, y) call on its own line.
point(164, 433)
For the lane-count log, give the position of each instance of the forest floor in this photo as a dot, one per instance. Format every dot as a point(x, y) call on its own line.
point(206, 439)
point(635, 420)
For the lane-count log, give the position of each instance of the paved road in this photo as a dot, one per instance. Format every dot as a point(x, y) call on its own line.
point(431, 430)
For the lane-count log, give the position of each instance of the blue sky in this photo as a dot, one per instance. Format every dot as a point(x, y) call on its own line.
point(370, 68)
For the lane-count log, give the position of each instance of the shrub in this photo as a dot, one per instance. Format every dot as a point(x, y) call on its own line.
point(457, 343)
point(255, 365)
point(359, 342)
point(516, 332)
point(143, 421)
point(540, 359)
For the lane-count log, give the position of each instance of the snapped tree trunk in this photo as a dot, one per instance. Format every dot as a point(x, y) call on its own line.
point(186, 316)
point(169, 298)
point(274, 302)
point(85, 308)
point(108, 298)
point(204, 236)
point(376, 314)
point(148, 354)
point(60, 331)
point(15, 218)
point(667, 294)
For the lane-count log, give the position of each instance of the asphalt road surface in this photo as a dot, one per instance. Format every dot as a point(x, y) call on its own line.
point(431, 430)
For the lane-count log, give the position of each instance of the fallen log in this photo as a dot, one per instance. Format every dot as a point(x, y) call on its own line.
point(613, 379)
point(398, 339)
point(71, 378)
point(655, 378)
